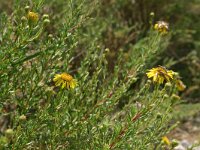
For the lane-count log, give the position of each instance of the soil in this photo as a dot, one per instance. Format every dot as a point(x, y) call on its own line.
point(188, 131)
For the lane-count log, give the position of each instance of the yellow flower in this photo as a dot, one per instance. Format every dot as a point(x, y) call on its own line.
point(32, 17)
point(65, 80)
point(162, 27)
point(165, 140)
point(180, 85)
point(160, 74)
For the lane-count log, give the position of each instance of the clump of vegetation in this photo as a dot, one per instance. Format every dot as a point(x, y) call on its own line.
point(74, 75)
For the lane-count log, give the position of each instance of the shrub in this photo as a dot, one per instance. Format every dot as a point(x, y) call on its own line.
point(101, 98)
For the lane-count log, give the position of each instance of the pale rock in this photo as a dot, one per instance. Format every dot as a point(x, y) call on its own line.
point(196, 148)
point(180, 147)
point(185, 143)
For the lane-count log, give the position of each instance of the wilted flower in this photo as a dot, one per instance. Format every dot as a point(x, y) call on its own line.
point(160, 74)
point(32, 17)
point(165, 140)
point(180, 85)
point(65, 80)
point(162, 27)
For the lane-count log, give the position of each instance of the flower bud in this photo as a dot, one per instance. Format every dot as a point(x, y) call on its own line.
point(22, 118)
point(149, 81)
point(9, 133)
point(27, 27)
point(45, 16)
point(152, 105)
point(50, 36)
point(166, 96)
point(168, 84)
point(175, 97)
point(23, 19)
point(46, 21)
point(152, 14)
point(107, 50)
point(27, 8)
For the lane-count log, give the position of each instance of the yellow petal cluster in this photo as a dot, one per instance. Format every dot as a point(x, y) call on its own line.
point(65, 81)
point(162, 27)
point(32, 17)
point(165, 140)
point(160, 74)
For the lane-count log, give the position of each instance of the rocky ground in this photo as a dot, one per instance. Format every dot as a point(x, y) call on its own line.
point(187, 133)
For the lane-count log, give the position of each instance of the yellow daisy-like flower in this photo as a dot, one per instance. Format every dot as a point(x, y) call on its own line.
point(180, 85)
point(165, 140)
point(160, 74)
point(32, 17)
point(65, 80)
point(162, 27)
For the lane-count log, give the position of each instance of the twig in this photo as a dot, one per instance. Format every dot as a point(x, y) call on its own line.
point(96, 105)
point(123, 131)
